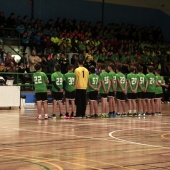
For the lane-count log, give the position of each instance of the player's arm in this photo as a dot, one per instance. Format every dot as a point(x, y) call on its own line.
point(119, 84)
point(55, 85)
point(129, 84)
point(91, 86)
point(103, 85)
point(136, 86)
point(109, 85)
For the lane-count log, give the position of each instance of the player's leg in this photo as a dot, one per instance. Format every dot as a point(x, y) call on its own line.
point(134, 106)
point(114, 106)
point(72, 108)
point(60, 104)
point(139, 104)
point(67, 107)
point(152, 106)
point(54, 109)
point(123, 103)
point(39, 109)
point(39, 105)
point(95, 104)
point(45, 105)
point(110, 106)
point(129, 106)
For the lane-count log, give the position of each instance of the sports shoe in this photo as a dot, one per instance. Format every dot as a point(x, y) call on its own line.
point(46, 116)
point(110, 115)
point(96, 115)
point(88, 116)
point(72, 115)
point(66, 116)
point(39, 117)
point(61, 116)
point(53, 116)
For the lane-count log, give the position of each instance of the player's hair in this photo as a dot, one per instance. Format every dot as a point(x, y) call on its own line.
point(112, 66)
point(119, 67)
point(140, 68)
point(132, 68)
point(70, 67)
point(103, 66)
point(150, 69)
point(37, 67)
point(80, 61)
point(57, 67)
point(158, 71)
point(92, 69)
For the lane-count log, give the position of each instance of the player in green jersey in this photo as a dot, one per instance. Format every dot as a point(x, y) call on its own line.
point(132, 85)
point(57, 79)
point(141, 92)
point(121, 90)
point(150, 90)
point(104, 89)
point(92, 89)
point(158, 91)
point(40, 80)
point(112, 90)
point(69, 87)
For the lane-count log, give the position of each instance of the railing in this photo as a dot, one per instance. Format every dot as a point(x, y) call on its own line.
point(9, 39)
point(17, 80)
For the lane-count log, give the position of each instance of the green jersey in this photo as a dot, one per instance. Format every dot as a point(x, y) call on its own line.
point(104, 77)
point(40, 79)
point(93, 80)
point(70, 81)
point(132, 79)
point(159, 89)
point(112, 77)
point(122, 79)
point(151, 79)
point(142, 81)
point(58, 78)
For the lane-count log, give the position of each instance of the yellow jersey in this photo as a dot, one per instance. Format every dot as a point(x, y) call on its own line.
point(82, 75)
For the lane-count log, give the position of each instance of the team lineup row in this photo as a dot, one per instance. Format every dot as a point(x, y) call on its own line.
point(112, 85)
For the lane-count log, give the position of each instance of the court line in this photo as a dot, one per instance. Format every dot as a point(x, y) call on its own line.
point(20, 160)
point(33, 159)
point(131, 142)
point(45, 160)
point(116, 165)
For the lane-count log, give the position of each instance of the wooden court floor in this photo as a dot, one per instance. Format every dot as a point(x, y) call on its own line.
point(121, 143)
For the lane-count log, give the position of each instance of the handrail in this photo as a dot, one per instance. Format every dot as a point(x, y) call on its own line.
point(17, 38)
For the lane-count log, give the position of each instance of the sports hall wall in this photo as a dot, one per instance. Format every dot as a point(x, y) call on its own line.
point(90, 11)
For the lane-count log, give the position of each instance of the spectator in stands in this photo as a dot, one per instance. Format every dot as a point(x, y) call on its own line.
point(63, 61)
point(9, 60)
point(11, 21)
point(33, 60)
point(37, 42)
point(26, 41)
point(52, 63)
point(25, 61)
point(2, 19)
point(54, 43)
point(44, 65)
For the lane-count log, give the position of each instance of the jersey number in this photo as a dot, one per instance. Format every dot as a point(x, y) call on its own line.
point(59, 81)
point(141, 80)
point(114, 79)
point(134, 80)
point(83, 74)
point(71, 81)
point(38, 79)
point(106, 80)
point(94, 81)
point(122, 80)
point(151, 81)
